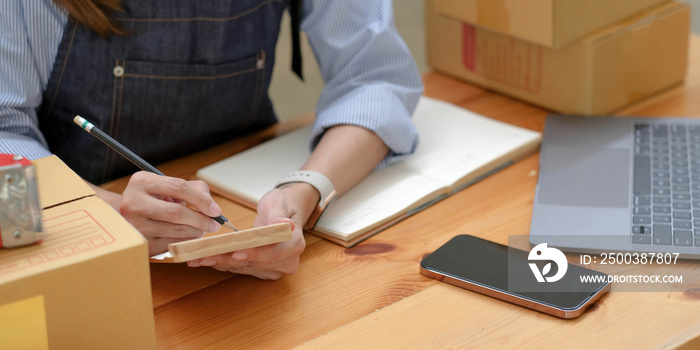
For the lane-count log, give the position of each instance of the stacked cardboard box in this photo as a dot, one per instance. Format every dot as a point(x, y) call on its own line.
point(575, 57)
point(87, 285)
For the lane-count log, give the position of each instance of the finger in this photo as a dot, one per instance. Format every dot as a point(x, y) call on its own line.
point(160, 229)
point(284, 255)
point(262, 271)
point(181, 215)
point(173, 200)
point(275, 252)
point(201, 185)
point(179, 189)
point(289, 264)
point(265, 275)
point(140, 209)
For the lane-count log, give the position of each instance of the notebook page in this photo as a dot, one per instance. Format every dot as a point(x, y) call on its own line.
point(252, 173)
point(454, 141)
point(383, 195)
point(380, 196)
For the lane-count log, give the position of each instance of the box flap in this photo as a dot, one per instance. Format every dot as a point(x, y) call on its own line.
point(656, 44)
point(530, 20)
point(77, 231)
point(57, 183)
point(644, 18)
point(550, 23)
point(577, 19)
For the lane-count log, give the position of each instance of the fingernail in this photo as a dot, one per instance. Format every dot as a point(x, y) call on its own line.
point(214, 209)
point(208, 262)
point(240, 256)
point(193, 263)
point(214, 226)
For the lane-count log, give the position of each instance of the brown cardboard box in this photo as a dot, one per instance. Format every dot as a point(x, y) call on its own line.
point(603, 72)
point(87, 286)
point(550, 23)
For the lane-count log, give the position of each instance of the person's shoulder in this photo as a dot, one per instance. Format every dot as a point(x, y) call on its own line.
point(28, 16)
point(50, 9)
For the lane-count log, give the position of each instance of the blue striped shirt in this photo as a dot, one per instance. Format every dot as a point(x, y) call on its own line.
point(371, 78)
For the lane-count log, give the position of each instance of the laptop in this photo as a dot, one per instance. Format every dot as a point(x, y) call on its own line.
point(613, 184)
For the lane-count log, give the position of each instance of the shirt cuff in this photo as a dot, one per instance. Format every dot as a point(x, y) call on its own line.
point(377, 109)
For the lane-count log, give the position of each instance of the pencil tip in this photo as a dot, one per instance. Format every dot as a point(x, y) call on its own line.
point(229, 225)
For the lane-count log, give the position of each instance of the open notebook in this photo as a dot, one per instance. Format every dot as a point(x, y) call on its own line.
point(457, 148)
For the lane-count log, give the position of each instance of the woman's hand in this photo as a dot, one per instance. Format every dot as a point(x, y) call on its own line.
point(344, 166)
point(155, 205)
point(292, 204)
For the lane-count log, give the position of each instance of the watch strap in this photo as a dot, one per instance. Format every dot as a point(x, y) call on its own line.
point(320, 182)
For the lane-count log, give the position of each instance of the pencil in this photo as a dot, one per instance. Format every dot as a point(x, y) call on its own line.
point(132, 157)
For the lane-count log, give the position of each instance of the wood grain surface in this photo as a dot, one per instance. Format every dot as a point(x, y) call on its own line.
point(373, 296)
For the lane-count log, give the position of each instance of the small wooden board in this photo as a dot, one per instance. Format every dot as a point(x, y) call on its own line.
point(224, 243)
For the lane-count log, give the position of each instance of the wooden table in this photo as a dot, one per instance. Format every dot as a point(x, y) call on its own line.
point(373, 296)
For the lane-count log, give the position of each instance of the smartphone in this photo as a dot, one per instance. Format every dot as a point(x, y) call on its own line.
point(511, 275)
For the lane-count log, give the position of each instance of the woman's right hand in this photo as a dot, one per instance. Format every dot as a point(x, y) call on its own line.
point(155, 205)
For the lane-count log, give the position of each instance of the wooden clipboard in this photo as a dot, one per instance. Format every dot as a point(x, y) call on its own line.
point(224, 243)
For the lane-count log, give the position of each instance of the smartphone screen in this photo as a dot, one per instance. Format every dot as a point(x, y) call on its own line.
point(506, 273)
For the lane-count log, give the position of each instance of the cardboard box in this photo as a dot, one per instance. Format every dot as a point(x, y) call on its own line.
point(87, 286)
point(603, 72)
point(550, 23)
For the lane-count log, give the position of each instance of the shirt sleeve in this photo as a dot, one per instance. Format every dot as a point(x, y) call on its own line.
point(30, 33)
point(371, 79)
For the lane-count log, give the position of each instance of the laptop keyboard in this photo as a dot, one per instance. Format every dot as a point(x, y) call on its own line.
point(666, 208)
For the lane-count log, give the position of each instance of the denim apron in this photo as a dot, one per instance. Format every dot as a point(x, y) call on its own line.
point(189, 74)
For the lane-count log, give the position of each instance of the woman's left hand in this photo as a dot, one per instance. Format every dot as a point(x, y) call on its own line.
point(275, 260)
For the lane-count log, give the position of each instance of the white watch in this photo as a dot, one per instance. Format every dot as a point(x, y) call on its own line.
point(321, 183)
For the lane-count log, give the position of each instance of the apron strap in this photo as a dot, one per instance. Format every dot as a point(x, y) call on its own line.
point(295, 14)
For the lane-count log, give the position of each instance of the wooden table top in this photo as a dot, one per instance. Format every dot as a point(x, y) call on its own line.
point(373, 296)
